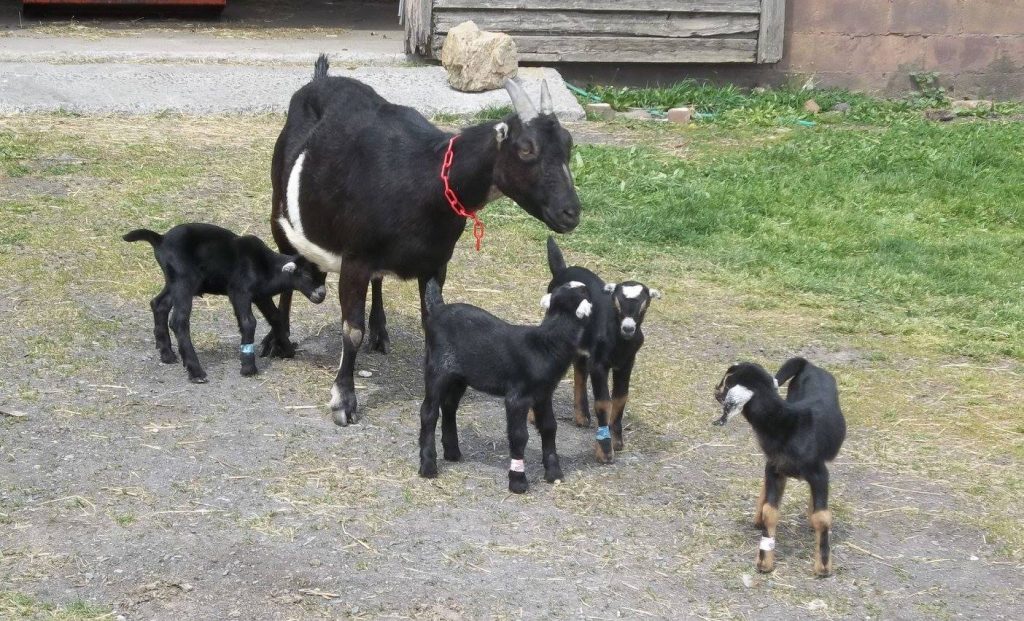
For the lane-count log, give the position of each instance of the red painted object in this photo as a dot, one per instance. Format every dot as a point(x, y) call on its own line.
point(453, 199)
point(127, 3)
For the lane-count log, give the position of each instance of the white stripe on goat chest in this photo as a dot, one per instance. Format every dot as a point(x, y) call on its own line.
point(291, 223)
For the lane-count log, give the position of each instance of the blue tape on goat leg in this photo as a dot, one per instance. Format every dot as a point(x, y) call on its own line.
point(603, 433)
point(248, 348)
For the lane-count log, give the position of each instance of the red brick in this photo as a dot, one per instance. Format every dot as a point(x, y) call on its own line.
point(924, 17)
point(1000, 17)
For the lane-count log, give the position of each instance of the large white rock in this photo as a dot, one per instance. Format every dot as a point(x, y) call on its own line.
point(477, 60)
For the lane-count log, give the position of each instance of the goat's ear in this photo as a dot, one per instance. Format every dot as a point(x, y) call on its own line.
point(289, 267)
point(501, 132)
point(545, 302)
point(655, 294)
point(610, 287)
point(556, 262)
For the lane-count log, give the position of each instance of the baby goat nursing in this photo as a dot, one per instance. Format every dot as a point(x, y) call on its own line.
point(798, 435)
point(467, 346)
point(203, 258)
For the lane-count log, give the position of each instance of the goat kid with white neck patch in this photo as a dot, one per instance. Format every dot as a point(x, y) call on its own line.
point(610, 345)
point(467, 346)
point(202, 258)
point(798, 436)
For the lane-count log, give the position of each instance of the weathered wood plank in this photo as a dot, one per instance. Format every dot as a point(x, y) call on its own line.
point(417, 26)
point(677, 6)
point(769, 40)
point(579, 23)
point(627, 49)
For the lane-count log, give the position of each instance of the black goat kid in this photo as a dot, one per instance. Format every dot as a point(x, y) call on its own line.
point(359, 188)
point(467, 346)
point(203, 258)
point(610, 344)
point(798, 436)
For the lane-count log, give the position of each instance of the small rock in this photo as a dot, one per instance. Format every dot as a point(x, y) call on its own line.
point(365, 374)
point(679, 115)
point(748, 581)
point(939, 115)
point(638, 114)
point(601, 111)
point(477, 60)
point(964, 105)
point(974, 558)
point(817, 604)
point(812, 106)
point(842, 107)
point(759, 90)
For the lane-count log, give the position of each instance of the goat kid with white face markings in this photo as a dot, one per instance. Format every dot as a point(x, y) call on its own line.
point(798, 436)
point(609, 346)
point(365, 188)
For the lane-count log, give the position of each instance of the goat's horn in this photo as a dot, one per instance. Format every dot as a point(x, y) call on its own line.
point(545, 99)
point(520, 101)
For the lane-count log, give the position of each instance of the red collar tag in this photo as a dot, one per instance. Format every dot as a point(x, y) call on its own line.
point(453, 200)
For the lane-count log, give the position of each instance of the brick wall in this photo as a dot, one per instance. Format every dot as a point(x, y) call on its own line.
point(977, 46)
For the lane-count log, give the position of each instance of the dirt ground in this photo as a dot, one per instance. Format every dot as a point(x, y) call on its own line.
point(127, 492)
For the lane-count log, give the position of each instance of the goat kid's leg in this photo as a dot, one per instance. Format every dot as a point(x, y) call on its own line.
point(774, 486)
point(581, 409)
point(277, 343)
point(620, 394)
point(182, 331)
point(428, 429)
point(547, 427)
point(449, 432)
point(247, 328)
point(378, 335)
point(352, 291)
point(515, 416)
point(603, 450)
point(161, 306)
point(440, 275)
point(758, 519)
point(821, 521)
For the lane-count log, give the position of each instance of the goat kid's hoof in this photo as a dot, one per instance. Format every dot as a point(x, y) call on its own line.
point(276, 348)
point(517, 483)
point(198, 379)
point(553, 475)
point(454, 454)
point(344, 418)
point(379, 342)
point(822, 571)
point(581, 420)
point(603, 451)
point(249, 371)
point(617, 443)
point(168, 357)
point(766, 564)
point(428, 470)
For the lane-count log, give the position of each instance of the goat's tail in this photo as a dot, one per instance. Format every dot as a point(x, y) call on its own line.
point(320, 67)
point(790, 369)
point(144, 235)
point(432, 296)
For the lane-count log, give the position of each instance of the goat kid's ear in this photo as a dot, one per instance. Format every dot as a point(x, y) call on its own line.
point(501, 132)
point(545, 302)
point(610, 287)
point(655, 294)
point(583, 310)
point(289, 267)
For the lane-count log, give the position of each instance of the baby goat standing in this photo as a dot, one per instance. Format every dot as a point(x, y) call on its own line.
point(467, 346)
point(610, 343)
point(203, 258)
point(798, 435)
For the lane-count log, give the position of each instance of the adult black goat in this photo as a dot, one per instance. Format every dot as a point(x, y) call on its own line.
point(798, 435)
point(358, 190)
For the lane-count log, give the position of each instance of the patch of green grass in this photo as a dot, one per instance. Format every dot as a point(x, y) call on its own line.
point(914, 229)
point(731, 106)
point(19, 606)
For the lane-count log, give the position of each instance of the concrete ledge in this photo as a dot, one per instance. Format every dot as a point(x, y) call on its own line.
point(101, 88)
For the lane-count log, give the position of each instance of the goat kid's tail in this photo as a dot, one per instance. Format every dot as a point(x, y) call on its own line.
point(152, 237)
point(790, 369)
point(432, 296)
point(320, 67)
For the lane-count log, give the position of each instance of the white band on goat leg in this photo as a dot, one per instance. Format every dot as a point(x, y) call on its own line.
point(248, 348)
point(767, 544)
point(517, 465)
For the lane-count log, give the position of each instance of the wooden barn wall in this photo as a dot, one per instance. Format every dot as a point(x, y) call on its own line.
point(621, 31)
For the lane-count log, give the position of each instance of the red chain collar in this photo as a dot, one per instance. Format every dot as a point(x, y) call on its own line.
point(453, 200)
